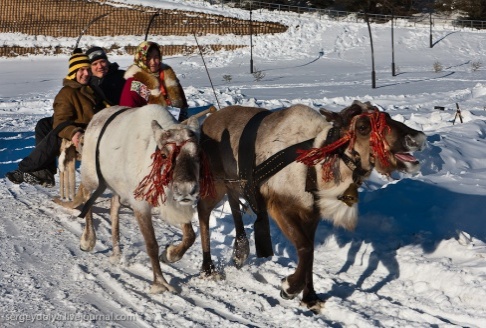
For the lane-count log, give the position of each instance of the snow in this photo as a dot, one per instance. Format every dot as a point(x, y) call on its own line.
point(416, 259)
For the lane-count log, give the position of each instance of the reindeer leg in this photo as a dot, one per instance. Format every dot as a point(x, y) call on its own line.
point(263, 239)
point(204, 208)
point(207, 268)
point(88, 238)
point(115, 228)
point(159, 284)
point(71, 172)
point(300, 231)
point(174, 253)
point(241, 247)
point(309, 296)
point(62, 188)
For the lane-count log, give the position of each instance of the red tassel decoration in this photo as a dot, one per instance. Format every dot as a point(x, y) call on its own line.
point(378, 144)
point(206, 180)
point(151, 188)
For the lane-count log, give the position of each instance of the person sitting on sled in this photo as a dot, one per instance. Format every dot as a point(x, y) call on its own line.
point(149, 81)
point(107, 79)
point(74, 106)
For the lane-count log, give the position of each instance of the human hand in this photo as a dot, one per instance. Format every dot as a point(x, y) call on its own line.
point(77, 138)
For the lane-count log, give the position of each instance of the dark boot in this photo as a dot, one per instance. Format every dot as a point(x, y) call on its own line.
point(45, 177)
point(18, 177)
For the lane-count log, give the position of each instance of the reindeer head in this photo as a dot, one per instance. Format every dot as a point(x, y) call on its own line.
point(380, 141)
point(176, 165)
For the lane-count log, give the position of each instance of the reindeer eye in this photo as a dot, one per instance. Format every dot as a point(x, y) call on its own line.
point(164, 153)
point(364, 128)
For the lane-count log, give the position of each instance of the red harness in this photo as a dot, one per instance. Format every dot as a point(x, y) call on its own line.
point(379, 145)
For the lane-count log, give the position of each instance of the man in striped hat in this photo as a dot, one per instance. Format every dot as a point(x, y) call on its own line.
point(74, 106)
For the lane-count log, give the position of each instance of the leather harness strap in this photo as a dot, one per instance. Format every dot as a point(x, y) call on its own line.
point(278, 161)
point(101, 181)
point(252, 177)
point(246, 162)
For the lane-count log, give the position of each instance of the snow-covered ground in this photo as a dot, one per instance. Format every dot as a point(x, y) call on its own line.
point(416, 259)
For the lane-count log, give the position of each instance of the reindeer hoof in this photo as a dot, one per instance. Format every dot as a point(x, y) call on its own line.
point(163, 257)
point(57, 200)
point(215, 276)
point(240, 252)
point(209, 272)
point(160, 288)
point(313, 302)
point(166, 256)
point(316, 306)
point(286, 296)
point(283, 291)
point(86, 245)
point(157, 289)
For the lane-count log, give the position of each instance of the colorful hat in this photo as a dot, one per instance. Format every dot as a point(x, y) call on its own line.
point(141, 54)
point(76, 61)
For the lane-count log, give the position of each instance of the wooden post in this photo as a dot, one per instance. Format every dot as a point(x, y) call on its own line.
point(458, 114)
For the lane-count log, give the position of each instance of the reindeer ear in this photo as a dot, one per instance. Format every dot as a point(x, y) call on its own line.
point(193, 124)
point(157, 131)
point(348, 113)
point(333, 117)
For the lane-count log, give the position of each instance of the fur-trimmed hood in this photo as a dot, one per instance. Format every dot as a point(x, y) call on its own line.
point(170, 85)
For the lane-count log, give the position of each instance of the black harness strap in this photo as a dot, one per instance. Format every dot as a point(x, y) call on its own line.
point(278, 161)
point(101, 181)
point(246, 162)
point(252, 177)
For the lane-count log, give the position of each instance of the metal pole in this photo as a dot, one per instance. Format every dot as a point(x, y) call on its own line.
point(373, 74)
point(430, 18)
point(393, 47)
point(251, 41)
point(150, 24)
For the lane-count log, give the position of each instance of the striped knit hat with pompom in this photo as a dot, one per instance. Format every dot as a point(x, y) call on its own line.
point(77, 60)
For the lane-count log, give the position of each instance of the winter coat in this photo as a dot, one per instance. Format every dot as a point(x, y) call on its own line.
point(109, 87)
point(76, 103)
point(143, 88)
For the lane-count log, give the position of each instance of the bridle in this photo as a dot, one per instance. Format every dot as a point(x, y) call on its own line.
point(335, 147)
point(152, 186)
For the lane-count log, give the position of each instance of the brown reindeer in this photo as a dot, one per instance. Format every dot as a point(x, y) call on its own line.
point(326, 155)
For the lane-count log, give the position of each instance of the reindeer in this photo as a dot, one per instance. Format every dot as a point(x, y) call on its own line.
point(148, 160)
point(299, 166)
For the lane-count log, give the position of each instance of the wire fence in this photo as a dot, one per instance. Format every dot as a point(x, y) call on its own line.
point(72, 18)
point(421, 19)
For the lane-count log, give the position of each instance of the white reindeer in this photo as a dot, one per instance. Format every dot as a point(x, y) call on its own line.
point(147, 159)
